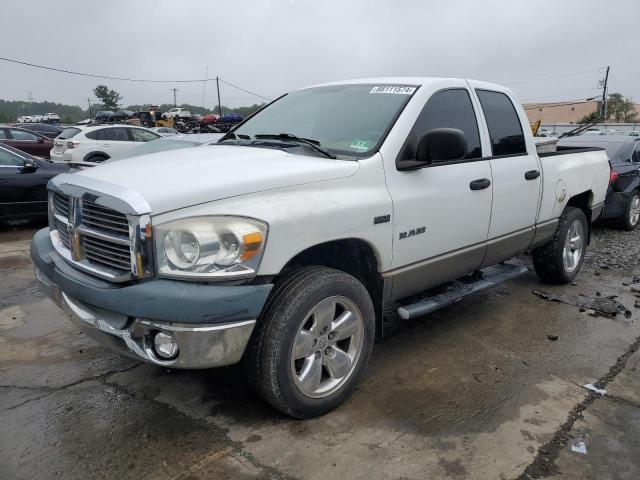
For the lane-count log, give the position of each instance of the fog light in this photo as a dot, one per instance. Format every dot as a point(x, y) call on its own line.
point(165, 346)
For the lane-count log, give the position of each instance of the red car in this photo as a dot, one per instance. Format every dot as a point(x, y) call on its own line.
point(30, 142)
point(211, 118)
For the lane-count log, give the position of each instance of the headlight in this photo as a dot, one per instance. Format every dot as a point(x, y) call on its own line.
point(210, 247)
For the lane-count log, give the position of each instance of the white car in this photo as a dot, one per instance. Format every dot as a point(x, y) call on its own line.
point(177, 112)
point(91, 145)
point(51, 117)
point(295, 238)
point(164, 131)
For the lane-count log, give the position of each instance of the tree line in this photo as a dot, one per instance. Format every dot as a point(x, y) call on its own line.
point(619, 108)
point(109, 99)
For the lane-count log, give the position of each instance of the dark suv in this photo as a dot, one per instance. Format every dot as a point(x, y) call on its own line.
point(622, 204)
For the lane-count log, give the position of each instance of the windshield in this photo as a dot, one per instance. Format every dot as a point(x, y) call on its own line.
point(345, 119)
point(68, 133)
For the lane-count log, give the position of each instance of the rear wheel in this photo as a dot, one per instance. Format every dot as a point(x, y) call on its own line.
point(631, 217)
point(313, 342)
point(95, 158)
point(559, 260)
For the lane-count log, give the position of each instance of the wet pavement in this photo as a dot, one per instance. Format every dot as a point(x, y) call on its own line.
point(489, 388)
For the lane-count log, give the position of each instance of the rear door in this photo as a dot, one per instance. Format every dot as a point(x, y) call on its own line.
point(113, 140)
point(441, 219)
point(517, 177)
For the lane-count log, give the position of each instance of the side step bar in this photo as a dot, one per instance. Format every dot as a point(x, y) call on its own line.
point(455, 291)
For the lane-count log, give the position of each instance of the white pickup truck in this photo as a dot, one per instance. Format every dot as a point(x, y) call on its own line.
point(290, 242)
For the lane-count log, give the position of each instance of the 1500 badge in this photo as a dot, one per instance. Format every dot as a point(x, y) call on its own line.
point(412, 232)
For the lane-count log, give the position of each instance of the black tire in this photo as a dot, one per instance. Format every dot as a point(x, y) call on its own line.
point(548, 259)
point(95, 158)
point(268, 356)
point(624, 222)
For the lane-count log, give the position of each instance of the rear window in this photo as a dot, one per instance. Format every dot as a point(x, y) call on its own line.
point(505, 129)
point(68, 133)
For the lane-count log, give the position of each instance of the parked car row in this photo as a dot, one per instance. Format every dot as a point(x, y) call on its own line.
point(47, 118)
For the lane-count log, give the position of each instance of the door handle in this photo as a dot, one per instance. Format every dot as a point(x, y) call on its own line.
point(480, 184)
point(532, 174)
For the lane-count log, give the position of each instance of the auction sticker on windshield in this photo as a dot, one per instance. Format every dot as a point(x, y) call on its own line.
point(361, 145)
point(393, 89)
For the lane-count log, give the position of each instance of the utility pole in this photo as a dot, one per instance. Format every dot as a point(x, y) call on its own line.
point(89, 103)
point(219, 105)
point(604, 96)
point(174, 96)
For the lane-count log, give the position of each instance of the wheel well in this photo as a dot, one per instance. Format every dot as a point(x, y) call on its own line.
point(583, 202)
point(95, 154)
point(353, 256)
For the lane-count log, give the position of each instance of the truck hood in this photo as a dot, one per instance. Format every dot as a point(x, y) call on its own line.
point(181, 178)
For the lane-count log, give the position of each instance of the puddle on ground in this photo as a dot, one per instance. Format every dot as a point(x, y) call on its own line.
point(605, 306)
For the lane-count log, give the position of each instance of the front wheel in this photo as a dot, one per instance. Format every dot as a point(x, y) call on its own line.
point(631, 217)
point(559, 260)
point(313, 342)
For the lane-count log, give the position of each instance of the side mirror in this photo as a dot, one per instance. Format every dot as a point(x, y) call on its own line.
point(30, 165)
point(40, 140)
point(437, 145)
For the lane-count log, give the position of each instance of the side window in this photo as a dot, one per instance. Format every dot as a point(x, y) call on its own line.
point(142, 135)
point(22, 135)
point(3, 133)
point(120, 134)
point(10, 159)
point(636, 153)
point(505, 129)
point(95, 135)
point(446, 109)
point(109, 134)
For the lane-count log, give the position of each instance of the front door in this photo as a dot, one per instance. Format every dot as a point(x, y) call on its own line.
point(22, 190)
point(441, 212)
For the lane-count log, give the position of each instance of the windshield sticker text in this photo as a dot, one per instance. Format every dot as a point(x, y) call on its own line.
point(393, 89)
point(360, 145)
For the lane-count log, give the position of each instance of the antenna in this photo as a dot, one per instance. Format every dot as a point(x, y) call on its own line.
point(204, 86)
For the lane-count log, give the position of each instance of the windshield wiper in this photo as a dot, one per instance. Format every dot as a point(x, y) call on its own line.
point(290, 136)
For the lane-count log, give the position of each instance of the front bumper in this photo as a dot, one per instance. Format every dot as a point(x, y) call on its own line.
point(211, 324)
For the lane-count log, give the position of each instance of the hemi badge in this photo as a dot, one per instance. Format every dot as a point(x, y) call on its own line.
point(381, 219)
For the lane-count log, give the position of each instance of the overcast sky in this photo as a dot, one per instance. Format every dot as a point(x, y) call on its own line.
point(273, 46)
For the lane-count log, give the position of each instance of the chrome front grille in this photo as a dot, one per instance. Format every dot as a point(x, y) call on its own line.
point(109, 254)
point(103, 218)
point(98, 239)
point(61, 204)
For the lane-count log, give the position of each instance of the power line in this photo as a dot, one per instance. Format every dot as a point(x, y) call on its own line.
point(107, 77)
point(125, 79)
point(555, 76)
point(246, 91)
point(549, 105)
point(563, 94)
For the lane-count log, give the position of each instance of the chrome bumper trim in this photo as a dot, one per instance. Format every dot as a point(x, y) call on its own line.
point(199, 346)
